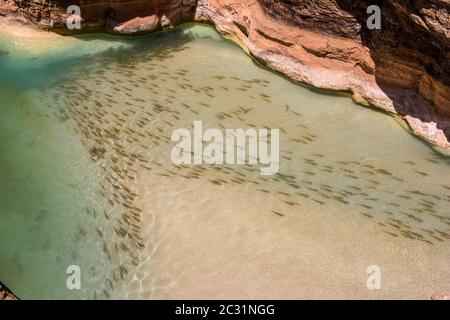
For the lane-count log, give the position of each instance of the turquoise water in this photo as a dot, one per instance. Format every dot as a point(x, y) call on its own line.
point(87, 180)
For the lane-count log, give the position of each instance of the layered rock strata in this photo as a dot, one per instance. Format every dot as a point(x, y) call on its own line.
point(5, 294)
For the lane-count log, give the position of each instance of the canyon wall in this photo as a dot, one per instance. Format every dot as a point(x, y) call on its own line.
point(403, 68)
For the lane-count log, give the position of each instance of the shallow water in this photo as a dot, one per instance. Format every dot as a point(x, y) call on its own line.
point(85, 156)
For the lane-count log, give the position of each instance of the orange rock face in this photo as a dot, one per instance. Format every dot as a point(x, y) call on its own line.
point(441, 296)
point(404, 68)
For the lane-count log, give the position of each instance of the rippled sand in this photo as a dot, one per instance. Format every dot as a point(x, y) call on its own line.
point(354, 188)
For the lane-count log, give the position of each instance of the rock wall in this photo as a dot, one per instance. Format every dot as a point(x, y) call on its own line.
point(5, 294)
point(404, 68)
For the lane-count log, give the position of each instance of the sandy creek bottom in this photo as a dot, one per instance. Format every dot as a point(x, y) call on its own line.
point(87, 179)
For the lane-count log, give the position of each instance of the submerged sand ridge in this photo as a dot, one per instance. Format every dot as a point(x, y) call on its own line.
point(337, 205)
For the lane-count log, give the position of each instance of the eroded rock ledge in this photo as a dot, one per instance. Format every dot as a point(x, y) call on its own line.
point(404, 68)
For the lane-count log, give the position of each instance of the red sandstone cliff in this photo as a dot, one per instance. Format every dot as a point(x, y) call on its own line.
point(5, 294)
